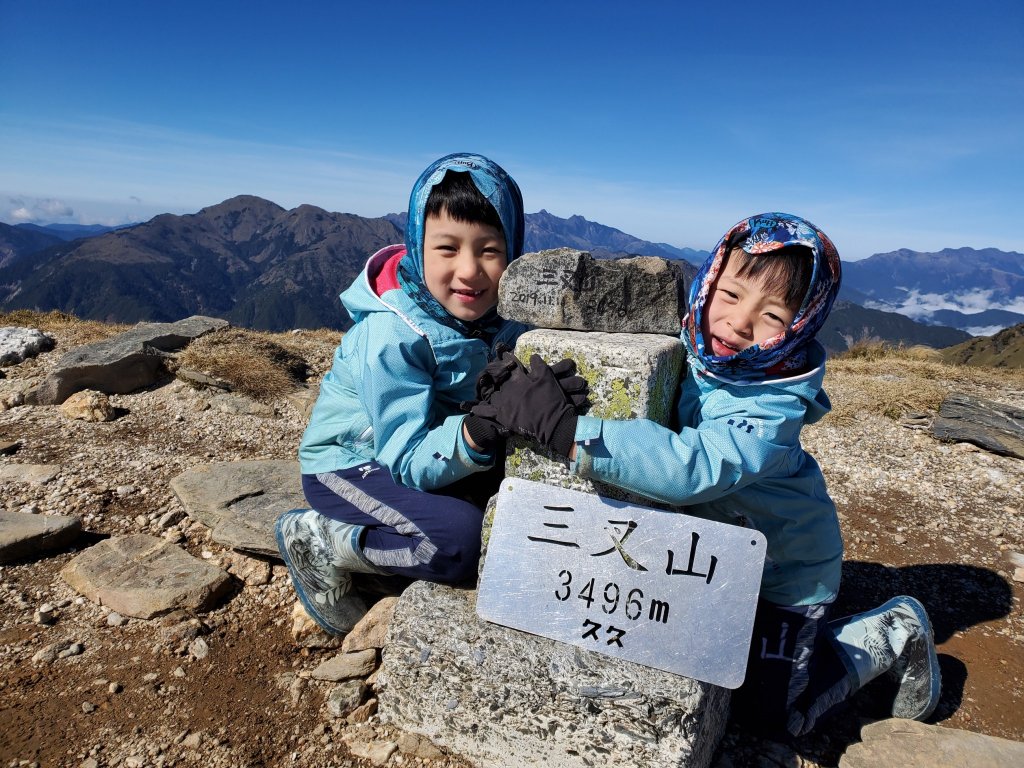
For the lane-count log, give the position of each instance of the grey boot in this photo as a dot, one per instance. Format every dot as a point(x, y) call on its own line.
point(895, 639)
point(321, 555)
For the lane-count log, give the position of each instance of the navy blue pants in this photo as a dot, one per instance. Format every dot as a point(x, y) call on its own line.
point(412, 533)
point(795, 672)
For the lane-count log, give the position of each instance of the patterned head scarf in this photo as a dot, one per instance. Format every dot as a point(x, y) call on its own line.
point(761, 236)
point(501, 191)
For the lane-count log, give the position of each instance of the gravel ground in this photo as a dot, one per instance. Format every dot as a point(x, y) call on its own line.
point(940, 521)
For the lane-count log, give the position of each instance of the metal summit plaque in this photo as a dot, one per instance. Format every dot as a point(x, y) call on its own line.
point(663, 589)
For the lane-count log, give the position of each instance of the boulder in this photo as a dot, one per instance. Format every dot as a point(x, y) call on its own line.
point(123, 363)
point(990, 425)
point(569, 289)
point(18, 344)
point(910, 744)
point(88, 405)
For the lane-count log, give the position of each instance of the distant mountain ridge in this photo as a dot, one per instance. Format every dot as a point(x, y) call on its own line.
point(247, 260)
point(71, 231)
point(260, 266)
point(979, 291)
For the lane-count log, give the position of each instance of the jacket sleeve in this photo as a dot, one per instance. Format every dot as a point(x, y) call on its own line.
point(421, 446)
point(736, 442)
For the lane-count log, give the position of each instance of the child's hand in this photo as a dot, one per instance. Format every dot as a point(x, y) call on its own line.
point(496, 372)
point(539, 403)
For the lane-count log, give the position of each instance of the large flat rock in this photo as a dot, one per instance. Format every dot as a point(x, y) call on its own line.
point(123, 363)
point(990, 425)
point(910, 744)
point(144, 576)
point(23, 535)
point(500, 697)
point(240, 500)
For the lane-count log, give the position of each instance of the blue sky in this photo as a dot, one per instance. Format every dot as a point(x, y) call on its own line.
point(889, 125)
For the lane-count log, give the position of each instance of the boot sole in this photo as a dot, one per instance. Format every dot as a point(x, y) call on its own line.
point(934, 672)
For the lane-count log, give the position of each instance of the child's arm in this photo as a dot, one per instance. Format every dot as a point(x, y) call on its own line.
point(736, 443)
point(415, 436)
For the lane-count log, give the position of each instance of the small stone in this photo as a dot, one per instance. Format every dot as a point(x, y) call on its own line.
point(75, 649)
point(115, 688)
point(46, 614)
point(345, 697)
point(178, 672)
point(363, 712)
point(198, 648)
point(88, 707)
point(1018, 575)
point(377, 752)
point(115, 619)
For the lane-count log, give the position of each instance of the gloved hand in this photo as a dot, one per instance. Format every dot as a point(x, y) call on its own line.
point(496, 371)
point(539, 403)
point(486, 434)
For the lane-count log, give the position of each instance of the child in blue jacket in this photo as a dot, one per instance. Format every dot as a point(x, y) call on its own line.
point(387, 425)
point(754, 379)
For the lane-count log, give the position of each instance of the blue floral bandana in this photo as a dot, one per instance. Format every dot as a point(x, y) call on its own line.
point(501, 191)
point(785, 353)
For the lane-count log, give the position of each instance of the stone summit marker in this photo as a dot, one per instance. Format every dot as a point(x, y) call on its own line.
point(658, 588)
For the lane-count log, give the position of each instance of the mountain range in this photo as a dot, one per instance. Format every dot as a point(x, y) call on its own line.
point(261, 266)
point(978, 291)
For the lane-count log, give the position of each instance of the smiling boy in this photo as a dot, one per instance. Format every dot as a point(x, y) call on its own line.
point(755, 377)
point(388, 458)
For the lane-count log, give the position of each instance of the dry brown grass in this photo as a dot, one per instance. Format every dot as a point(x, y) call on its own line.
point(894, 381)
point(74, 331)
point(253, 363)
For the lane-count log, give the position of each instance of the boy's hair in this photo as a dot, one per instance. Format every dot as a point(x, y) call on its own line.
point(785, 272)
point(457, 194)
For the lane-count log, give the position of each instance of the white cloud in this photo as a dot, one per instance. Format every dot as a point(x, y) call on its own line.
point(917, 305)
point(985, 330)
point(47, 210)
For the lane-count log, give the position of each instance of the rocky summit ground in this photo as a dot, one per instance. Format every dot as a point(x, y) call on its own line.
point(944, 522)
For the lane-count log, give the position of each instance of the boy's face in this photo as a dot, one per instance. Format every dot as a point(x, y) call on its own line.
point(462, 263)
point(740, 313)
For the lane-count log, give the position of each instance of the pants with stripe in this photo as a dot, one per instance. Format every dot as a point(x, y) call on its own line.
point(417, 534)
point(796, 675)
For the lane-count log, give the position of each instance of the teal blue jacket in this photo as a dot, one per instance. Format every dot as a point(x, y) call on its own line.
point(393, 392)
point(737, 459)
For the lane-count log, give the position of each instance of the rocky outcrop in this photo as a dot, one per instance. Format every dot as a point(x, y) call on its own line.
point(123, 363)
point(990, 425)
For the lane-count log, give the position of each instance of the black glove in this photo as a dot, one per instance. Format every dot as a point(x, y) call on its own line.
point(575, 387)
point(533, 403)
point(485, 433)
point(496, 371)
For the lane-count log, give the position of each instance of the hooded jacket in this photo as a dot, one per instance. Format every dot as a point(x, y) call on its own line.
point(737, 456)
point(394, 391)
